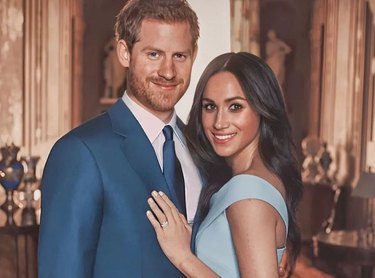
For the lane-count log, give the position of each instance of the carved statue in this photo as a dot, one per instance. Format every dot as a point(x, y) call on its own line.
point(114, 73)
point(276, 50)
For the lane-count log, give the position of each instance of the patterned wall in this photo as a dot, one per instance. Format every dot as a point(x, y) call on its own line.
point(11, 71)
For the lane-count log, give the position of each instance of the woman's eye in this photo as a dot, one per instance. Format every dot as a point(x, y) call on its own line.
point(235, 107)
point(209, 106)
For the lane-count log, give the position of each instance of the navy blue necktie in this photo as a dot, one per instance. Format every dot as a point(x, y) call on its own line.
point(172, 171)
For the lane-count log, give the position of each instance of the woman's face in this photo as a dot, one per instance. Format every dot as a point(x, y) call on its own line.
point(229, 121)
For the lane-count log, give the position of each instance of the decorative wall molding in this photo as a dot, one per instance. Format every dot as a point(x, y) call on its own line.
point(40, 69)
point(11, 71)
point(317, 39)
point(245, 26)
point(52, 72)
point(368, 98)
point(340, 81)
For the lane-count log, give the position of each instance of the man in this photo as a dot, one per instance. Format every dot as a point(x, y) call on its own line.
point(98, 176)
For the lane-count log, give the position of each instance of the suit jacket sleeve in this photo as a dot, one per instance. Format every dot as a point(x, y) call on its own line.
point(72, 204)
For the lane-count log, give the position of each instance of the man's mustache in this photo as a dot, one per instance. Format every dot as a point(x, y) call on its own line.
point(165, 82)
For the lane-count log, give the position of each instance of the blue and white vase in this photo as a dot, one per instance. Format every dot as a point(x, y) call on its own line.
point(11, 173)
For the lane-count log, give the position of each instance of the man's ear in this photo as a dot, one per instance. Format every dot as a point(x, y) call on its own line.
point(195, 52)
point(123, 53)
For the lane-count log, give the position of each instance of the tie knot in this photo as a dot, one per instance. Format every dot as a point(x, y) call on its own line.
point(168, 132)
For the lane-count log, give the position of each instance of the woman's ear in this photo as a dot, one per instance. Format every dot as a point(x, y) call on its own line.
point(123, 53)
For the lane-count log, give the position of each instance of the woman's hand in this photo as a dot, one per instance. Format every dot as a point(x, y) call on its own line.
point(284, 270)
point(172, 230)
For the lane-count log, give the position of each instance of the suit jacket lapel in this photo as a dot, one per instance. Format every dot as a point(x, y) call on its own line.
point(139, 152)
point(136, 147)
point(194, 234)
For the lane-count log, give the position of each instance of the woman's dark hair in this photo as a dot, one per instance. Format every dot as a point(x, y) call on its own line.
point(276, 146)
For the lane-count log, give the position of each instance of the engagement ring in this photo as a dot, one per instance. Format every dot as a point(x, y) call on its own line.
point(164, 224)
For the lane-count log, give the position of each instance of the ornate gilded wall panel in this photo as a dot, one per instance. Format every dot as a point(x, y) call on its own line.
point(368, 111)
point(245, 26)
point(11, 71)
point(37, 69)
point(329, 67)
point(317, 36)
point(339, 81)
point(49, 69)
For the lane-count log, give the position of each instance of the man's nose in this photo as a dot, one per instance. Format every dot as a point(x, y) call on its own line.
point(167, 69)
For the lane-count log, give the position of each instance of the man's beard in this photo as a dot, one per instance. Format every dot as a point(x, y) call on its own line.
point(152, 98)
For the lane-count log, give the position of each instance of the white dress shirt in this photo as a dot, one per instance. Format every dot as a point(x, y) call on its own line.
point(153, 127)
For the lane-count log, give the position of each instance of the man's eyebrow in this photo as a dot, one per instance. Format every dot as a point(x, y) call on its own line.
point(152, 48)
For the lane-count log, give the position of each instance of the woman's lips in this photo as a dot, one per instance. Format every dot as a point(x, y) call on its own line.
point(223, 138)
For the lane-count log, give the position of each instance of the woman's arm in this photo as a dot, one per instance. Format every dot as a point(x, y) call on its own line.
point(253, 227)
point(174, 235)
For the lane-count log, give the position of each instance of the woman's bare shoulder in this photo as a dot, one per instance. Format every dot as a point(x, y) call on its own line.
point(265, 174)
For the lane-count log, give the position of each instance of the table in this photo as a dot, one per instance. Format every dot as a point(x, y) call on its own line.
point(355, 247)
point(321, 208)
point(20, 256)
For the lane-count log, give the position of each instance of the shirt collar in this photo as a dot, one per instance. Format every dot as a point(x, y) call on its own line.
point(151, 124)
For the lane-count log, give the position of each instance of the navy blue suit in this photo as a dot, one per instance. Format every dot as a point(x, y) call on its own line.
point(94, 200)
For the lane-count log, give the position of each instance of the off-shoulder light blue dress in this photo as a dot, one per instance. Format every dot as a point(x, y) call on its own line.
point(214, 245)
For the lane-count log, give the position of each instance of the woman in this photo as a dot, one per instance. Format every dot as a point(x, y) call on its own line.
point(239, 135)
